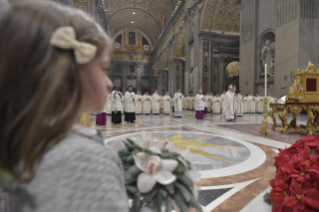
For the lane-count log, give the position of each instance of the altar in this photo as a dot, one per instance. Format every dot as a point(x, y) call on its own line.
point(303, 96)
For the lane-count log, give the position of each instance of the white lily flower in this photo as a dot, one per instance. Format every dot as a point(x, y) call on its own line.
point(154, 170)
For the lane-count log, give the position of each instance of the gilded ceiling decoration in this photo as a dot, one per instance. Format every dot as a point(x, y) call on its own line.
point(149, 16)
point(221, 15)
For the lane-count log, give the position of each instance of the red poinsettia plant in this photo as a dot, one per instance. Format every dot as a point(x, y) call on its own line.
point(296, 184)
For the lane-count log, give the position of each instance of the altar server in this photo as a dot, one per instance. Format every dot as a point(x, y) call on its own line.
point(130, 105)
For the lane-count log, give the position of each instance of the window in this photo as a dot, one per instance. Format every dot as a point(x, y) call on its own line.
point(131, 38)
point(144, 41)
point(119, 39)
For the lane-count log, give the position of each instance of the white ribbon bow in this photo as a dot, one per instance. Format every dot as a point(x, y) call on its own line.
point(64, 38)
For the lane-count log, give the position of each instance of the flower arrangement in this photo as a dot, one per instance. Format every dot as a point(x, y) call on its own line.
point(295, 187)
point(156, 174)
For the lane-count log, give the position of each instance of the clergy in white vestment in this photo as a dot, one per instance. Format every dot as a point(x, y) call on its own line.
point(209, 102)
point(229, 104)
point(167, 104)
point(146, 104)
point(129, 105)
point(222, 98)
point(117, 99)
point(109, 105)
point(200, 105)
point(251, 104)
point(178, 104)
point(156, 103)
point(245, 103)
point(261, 104)
point(216, 104)
point(240, 105)
point(138, 103)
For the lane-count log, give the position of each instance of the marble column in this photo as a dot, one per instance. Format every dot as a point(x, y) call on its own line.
point(220, 76)
point(140, 70)
point(125, 72)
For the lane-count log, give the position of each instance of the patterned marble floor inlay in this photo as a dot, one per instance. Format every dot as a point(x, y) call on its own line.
point(235, 165)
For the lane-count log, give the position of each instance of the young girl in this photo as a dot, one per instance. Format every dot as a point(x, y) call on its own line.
point(52, 62)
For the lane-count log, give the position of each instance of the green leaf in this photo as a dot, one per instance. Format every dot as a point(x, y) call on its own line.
point(158, 202)
point(195, 204)
point(131, 189)
point(137, 202)
point(168, 204)
point(185, 193)
point(313, 151)
point(163, 192)
point(186, 181)
point(167, 155)
point(150, 195)
point(130, 159)
point(134, 171)
point(181, 204)
point(5, 178)
point(170, 188)
point(180, 169)
point(123, 153)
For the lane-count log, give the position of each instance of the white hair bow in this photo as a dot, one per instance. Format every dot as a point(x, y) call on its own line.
point(64, 38)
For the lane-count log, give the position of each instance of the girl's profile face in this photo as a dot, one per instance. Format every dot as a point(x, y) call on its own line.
point(96, 84)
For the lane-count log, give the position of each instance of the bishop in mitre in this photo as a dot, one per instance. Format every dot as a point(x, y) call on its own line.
point(167, 104)
point(156, 103)
point(178, 104)
point(138, 103)
point(229, 104)
point(146, 104)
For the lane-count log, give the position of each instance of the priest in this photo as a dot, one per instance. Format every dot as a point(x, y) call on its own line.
point(251, 104)
point(200, 104)
point(240, 105)
point(216, 104)
point(222, 99)
point(138, 103)
point(146, 104)
point(178, 104)
point(117, 99)
point(228, 109)
point(245, 104)
point(129, 105)
point(156, 103)
point(167, 104)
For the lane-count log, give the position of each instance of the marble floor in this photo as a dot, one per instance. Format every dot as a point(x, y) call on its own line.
point(235, 167)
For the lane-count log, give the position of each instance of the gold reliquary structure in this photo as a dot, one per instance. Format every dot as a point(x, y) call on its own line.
point(306, 86)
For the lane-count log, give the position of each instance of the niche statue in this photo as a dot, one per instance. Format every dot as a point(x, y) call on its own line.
point(267, 56)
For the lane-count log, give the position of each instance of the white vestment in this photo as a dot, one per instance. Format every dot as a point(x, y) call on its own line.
point(129, 102)
point(167, 104)
point(216, 105)
point(251, 104)
point(240, 105)
point(147, 104)
point(109, 105)
point(261, 105)
point(116, 98)
point(199, 102)
point(209, 103)
point(138, 104)
point(229, 106)
point(156, 103)
point(245, 104)
point(222, 99)
point(178, 104)
point(257, 104)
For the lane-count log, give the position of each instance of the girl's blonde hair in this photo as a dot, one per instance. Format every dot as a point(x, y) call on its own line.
point(40, 85)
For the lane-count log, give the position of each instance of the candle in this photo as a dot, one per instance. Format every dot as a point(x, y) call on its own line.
point(266, 80)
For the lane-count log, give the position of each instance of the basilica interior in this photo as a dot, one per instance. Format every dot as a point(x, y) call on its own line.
point(208, 45)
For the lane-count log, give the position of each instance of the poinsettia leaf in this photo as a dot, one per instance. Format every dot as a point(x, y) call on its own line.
point(185, 180)
point(313, 151)
point(180, 169)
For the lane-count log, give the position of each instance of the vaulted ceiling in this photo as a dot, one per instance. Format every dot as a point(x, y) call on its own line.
point(149, 16)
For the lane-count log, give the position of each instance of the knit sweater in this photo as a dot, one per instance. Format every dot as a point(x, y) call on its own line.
point(78, 174)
